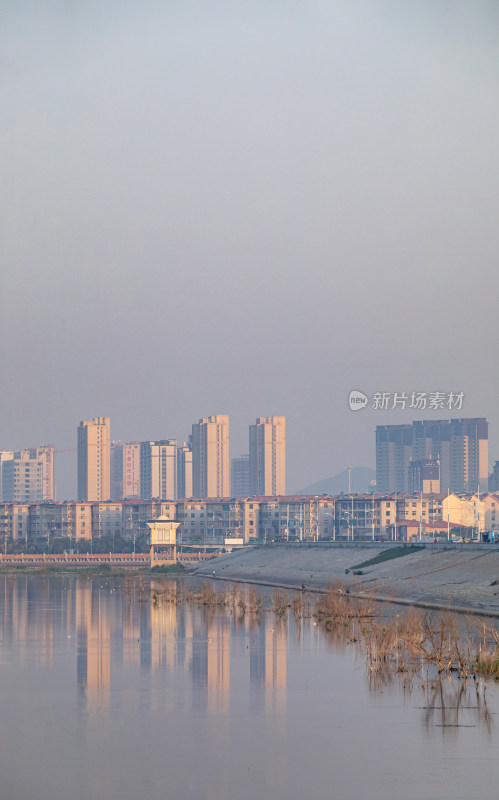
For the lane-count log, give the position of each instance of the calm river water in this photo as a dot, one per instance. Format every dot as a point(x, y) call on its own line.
point(105, 695)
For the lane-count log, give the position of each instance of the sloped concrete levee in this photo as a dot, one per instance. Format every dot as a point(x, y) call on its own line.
point(455, 577)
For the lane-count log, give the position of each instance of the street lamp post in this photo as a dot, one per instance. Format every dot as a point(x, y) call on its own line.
point(478, 515)
point(348, 517)
point(369, 512)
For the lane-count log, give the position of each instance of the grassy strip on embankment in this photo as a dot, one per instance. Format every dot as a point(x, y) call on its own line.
point(168, 569)
point(388, 555)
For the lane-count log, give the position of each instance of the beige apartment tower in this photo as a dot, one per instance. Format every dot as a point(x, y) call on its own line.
point(94, 459)
point(267, 457)
point(210, 457)
point(27, 475)
point(158, 470)
point(184, 470)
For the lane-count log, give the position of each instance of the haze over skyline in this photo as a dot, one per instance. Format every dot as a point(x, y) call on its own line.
point(248, 209)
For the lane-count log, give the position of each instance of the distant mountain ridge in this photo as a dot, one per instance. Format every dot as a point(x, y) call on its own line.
point(361, 477)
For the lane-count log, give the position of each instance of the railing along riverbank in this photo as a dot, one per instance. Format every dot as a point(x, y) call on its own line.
point(92, 559)
point(359, 544)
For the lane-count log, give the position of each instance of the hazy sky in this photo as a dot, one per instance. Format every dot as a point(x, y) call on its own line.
point(246, 208)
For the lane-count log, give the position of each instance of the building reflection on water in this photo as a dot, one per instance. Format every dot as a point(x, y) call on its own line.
point(268, 663)
point(93, 643)
point(109, 629)
point(114, 633)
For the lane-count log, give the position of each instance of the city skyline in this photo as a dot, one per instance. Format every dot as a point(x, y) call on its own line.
point(213, 213)
point(67, 471)
point(346, 155)
point(459, 462)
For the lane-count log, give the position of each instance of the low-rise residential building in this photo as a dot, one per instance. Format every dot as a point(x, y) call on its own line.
point(490, 507)
point(136, 513)
point(345, 517)
point(14, 522)
point(106, 519)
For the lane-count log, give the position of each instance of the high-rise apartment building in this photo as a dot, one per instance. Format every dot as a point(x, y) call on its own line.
point(23, 479)
point(5, 455)
point(494, 478)
point(239, 476)
point(424, 476)
point(94, 457)
point(469, 455)
point(267, 457)
point(210, 457)
point(158, 470)
point(184, 469)
point(125, 470)
point(393, 454)
point(431, 439)
point(116, 471)
point(459, 445)
point(27, 475)
point(46, 453)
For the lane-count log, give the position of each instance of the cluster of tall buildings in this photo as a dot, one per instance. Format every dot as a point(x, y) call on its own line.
point(433, 456)
point(168, 470)
point(429, 456)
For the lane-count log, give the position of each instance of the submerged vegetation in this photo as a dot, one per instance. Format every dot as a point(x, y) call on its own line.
point(410, 644)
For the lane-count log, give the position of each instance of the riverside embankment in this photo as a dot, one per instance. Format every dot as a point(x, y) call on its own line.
point(462, 578)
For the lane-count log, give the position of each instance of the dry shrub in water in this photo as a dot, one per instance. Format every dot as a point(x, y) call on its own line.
point(335, 605)
point(280, 602)
point(255, 600)
point(404, 643)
